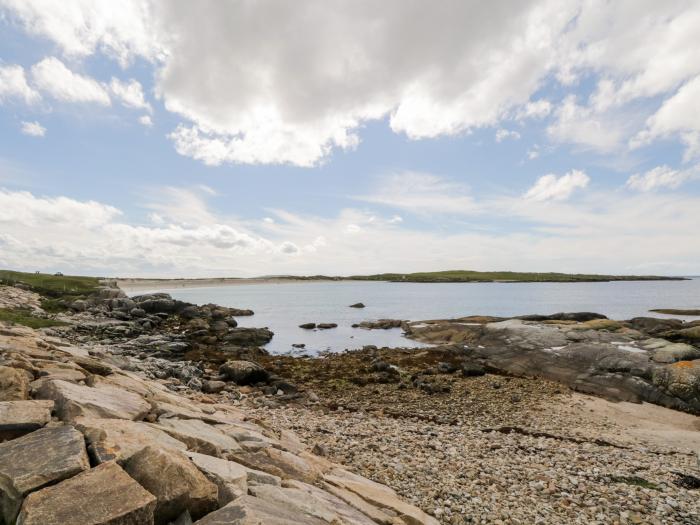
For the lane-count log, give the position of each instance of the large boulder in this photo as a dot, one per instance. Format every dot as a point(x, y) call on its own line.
point(14, 384)
point(244, 372)
point(653, 325)
point(105, 495)
point(249, 510)
point(248, 336)
point(119, 439)
point(172, 478)
point(21, 417)
point(36, 460)
point(102, 401)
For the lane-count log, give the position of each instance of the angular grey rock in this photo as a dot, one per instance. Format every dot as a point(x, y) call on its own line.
point(21, 417)
point(175, 481)
point(105, 495)
point(249, 510)
point(38, 459)
point(102, 401)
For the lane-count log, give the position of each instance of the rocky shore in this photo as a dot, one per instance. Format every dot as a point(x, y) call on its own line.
point(167, 412)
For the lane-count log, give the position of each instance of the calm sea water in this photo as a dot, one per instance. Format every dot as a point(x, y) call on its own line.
point(283, 307)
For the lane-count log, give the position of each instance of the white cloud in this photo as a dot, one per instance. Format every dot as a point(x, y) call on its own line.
point(33, 129)
point(421, 193)
point(533, 152)
point(13, 85)
point(53, 77)
point(535, 109)
point(678, 114)
point(289, 83)
point(582, 126)
point(581, 235)
point(130, 93)
point(661, 177)
point(146, 120)
point(123, 29)
point(503, 134)
point(551, 187)
point(25, 209)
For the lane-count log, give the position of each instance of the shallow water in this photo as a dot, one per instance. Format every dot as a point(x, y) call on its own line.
point(283, 307)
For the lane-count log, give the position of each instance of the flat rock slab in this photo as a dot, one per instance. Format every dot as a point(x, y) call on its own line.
point(119, 439)
point(21, 417)
point(38, 459)
point(175, 481)
point(303, 466)
point(313, 501)
point(199, 436)
point(380, 496)
point(105, 495)
point(249, 510)
point(104, 401)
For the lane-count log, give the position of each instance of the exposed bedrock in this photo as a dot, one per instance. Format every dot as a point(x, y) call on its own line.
point(643, 359)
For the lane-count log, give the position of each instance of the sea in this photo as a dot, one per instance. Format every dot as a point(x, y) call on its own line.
point(282, 307)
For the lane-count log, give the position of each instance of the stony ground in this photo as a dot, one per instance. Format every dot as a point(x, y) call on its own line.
point(494, 450)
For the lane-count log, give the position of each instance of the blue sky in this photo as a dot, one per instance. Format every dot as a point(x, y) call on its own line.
point(222, 138)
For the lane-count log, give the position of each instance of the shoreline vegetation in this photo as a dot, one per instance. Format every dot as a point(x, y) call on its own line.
point(451, 276)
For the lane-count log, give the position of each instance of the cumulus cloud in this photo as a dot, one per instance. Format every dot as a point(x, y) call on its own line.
point(551, 187)
point(33, 129)
point(14, 86)
point(680, 114)
point(53, 77)
point(288, 83)
point(130, 93)
point(661, 177)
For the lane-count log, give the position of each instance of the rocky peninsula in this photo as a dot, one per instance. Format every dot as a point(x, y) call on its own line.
point(166, 412)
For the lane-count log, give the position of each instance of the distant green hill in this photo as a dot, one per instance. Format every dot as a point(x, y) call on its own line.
point(467, 276)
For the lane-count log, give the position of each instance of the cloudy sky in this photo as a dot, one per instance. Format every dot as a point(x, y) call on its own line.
point(240, 138)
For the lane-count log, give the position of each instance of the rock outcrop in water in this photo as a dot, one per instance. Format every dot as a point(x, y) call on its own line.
point(644, 359)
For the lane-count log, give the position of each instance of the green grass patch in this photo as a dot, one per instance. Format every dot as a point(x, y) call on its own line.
point(635, 481)
point(52, 286)
point(24, 317)
point(459, 276)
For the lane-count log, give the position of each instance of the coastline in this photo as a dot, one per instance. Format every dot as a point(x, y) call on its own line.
point(459, 430)
point(135, 284)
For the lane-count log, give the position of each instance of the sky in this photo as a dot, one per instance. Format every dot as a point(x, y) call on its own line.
point(239, 138)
